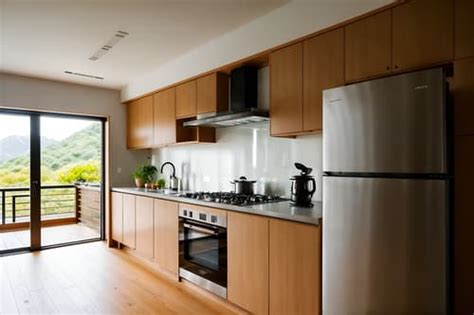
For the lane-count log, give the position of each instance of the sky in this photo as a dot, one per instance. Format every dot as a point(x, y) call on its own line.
point(51, 127)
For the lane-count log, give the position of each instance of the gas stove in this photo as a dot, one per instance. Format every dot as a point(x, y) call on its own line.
point(233, 198)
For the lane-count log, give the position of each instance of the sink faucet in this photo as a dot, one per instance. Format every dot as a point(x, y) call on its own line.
point(173, 179)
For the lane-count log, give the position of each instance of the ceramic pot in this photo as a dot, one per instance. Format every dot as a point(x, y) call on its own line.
point(139, 182)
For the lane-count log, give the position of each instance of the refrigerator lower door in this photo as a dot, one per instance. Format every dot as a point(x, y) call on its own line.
point(384, 246)
point(389, 125)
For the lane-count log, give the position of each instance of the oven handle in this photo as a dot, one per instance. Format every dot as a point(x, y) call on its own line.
point(201, 229)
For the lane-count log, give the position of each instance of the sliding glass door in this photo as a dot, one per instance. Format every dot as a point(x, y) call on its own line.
point(51, 180)
point(71, 177)
point(14, 182)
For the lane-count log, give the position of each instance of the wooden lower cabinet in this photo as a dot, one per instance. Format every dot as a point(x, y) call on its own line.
point(463, 218)
point(117, 217)
point(295, 268)
point(129, 227)
point(247, 259)
point(144, 227)
point(166, 233)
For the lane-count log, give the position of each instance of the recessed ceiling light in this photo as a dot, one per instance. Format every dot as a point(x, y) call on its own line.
point(119, 35)
point(84, 75)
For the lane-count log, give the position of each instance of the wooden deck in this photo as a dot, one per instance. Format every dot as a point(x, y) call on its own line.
point(92, 279)
point(50, 235)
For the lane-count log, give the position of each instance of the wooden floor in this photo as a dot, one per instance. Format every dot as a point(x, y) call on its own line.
point(90, 278)
point(51, 235)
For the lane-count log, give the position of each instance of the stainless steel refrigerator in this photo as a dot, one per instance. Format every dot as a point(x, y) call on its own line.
point(386, 196)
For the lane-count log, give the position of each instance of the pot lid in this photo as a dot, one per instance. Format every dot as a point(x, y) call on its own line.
point(243, 179)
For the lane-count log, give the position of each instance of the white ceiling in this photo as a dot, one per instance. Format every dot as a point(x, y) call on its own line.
point(44, 38)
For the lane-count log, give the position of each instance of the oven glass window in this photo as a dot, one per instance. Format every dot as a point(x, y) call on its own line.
point(203, 249)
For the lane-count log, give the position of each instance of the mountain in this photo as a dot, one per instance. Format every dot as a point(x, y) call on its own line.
point(14, 146)
point(82, 146)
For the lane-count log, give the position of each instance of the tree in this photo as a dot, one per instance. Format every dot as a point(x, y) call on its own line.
point(88, 172)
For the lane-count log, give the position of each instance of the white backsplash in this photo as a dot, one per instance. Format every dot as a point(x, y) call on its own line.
point(244, 151)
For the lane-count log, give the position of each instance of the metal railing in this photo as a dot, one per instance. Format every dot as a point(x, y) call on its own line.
point(57, 201)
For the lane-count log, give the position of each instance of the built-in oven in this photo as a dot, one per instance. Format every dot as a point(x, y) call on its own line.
point(203, 249)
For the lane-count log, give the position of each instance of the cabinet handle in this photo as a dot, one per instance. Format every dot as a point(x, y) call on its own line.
point(388, 67)
point(396, 67)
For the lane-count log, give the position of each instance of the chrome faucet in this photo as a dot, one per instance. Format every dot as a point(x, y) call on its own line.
point(173, 184)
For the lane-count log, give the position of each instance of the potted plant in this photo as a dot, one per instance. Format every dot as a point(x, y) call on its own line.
point(143, 174)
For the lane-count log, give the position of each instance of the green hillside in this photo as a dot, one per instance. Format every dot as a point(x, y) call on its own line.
point(78, 153)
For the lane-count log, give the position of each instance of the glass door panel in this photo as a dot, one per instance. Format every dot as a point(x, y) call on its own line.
point(15, 168)
point(71, 177)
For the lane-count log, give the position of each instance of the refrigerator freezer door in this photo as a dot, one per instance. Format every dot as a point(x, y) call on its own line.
point(384, 246)
point(390, 125)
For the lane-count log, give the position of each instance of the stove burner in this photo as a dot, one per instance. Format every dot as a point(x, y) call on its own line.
point(233, 198)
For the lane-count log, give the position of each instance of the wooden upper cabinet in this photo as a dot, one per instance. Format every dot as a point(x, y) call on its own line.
point(212, 93)
point(186, 99)
point(323, 68)
point(247, 259)
point(423, 33)
point(463, 91)
point(117, 217)
point(129, 220)
point(295, 268)
point(368, 47)
point(166, 235)
point(464, 28)
point(144, 226)
point(286, 90)
point(140, 123)
point(164, 117)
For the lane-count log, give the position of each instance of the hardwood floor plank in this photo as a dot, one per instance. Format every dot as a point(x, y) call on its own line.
point(91, 278)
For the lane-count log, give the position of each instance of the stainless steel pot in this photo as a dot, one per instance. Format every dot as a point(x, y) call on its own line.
point(243, 186)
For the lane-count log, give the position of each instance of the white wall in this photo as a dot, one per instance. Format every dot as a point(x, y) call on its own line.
point(292, 20)
point(244, 151)
point(36, 94)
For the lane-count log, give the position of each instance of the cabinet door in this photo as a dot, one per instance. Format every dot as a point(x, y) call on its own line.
point(463, 218)
point(140, 123)
point(129, 226)
point(423, 33)
point(286, 90)
point(295, 268)
point(368, 47)
point(212, 93)
point(247, 259)
point(164, 117)
point(144, 226)
point(464, 28)
point(323, 68)
point(117, 217)
point(463, 91)
point(166, 235)
point(186, 99)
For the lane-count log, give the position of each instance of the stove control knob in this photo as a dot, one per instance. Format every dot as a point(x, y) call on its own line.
point(213, 219)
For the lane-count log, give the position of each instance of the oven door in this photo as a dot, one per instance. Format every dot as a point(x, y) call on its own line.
point(203, 255)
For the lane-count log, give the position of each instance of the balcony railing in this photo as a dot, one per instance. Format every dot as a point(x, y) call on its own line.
point(57, 202)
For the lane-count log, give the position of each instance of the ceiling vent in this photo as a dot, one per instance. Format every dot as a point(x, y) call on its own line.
point(84, 75)
point(108, 45)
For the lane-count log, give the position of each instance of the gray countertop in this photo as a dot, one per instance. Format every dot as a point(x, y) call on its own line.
point(281, 210)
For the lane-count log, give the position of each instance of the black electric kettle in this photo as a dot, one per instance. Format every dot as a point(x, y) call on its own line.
point(303, 187)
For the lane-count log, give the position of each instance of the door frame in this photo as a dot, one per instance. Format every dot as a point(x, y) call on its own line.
point(35, 177)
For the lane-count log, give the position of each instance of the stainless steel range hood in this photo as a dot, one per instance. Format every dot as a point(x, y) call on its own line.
point(230, 119)
point(243, 103)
